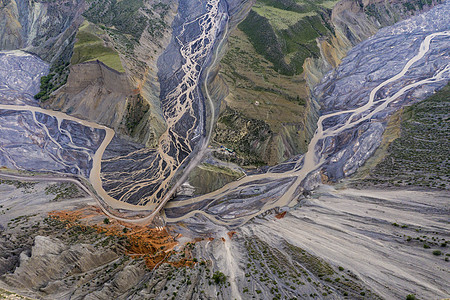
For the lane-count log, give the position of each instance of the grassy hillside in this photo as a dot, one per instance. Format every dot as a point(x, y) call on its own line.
point(263, 68)
point(285, 32)
point(421, 154)
point(89, 46)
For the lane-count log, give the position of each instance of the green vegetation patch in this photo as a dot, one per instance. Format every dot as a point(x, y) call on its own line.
point(137, 108)
point(126, 21)
point(280, 19)
point(89, 47)
point(124, 16)
point(219, 278)
point(221, 169)
point(4, 294)
point(241, 134)
point(262, 36)
point(27, 186)
point(56, 78)
point(66, 190)
point(285, 32)
point(413, 5)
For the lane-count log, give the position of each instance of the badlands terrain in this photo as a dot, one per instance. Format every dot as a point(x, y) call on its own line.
point(231, 149)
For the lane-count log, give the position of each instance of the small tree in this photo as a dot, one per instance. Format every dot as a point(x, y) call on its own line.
point(411, 297)
point(219, 277)
point(106, 221)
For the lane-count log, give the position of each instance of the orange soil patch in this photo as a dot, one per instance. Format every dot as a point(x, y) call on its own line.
point(154, 245)
point(231, 233)
point(281, 215)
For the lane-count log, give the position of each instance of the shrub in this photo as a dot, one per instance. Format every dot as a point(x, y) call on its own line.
point(106, 221)
point(437, 252)
point(411, 297)
point(219, 277)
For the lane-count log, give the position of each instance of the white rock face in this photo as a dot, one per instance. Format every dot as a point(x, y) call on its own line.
point(51, 260)
point(44, 245)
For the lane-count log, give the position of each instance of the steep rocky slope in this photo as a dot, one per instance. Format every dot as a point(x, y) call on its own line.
point(10, 35)
point(46, 28)
point(101, 94)
point(139, 31)
point(267, 92)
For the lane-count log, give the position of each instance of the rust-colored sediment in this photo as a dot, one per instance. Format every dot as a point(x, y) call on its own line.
point(154, 245)
point(281, 215)
point(231, 233)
